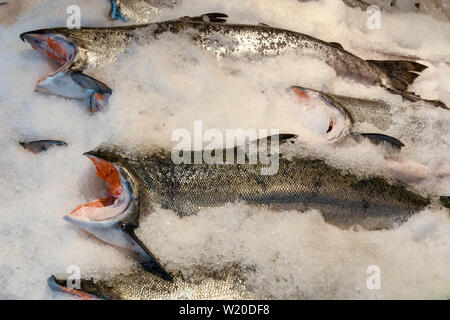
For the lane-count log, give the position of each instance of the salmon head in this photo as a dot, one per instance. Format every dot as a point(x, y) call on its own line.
point(338, 122)
point(67, 80)
point(109, 218)
point(114, 218)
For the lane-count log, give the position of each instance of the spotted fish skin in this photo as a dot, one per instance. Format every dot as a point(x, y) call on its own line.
point(96, 47)
point(139, 10)
point(99, 46)
point(375, 111)
point(300, 183)
point(142, 285)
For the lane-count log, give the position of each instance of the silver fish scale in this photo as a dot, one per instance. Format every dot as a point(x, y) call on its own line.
point(299, 184)
point(100, 46)
point(104, 45)
point(143, 285)
point(375, 112)
point(254, 42)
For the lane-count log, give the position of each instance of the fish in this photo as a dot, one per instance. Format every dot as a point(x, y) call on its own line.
point(439, 9)
point(138, 10)
point(137, 183)
point(345, 112)
point(41, 145)
point(139, 284)
point(77, 49)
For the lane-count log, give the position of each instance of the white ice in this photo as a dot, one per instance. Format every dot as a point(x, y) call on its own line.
point(170, 85)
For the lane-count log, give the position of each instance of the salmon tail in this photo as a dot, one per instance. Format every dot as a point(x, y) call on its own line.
point(402, 73)
point(414, 97)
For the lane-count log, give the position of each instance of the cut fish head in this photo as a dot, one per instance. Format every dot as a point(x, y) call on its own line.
point(67, 81)
point(339, 121)
point(108, 218)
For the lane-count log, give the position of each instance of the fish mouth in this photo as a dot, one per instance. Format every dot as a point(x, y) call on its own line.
point(58, 47)
point(113, 219)
point(60, 285)
point(107, 218)
point(339, 122)
point(117, 200)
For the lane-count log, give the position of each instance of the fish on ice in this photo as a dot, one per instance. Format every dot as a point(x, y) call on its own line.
point(139, 182)
point(138, 10)
point(41, 145)
point(138, 284)
point(77, 49)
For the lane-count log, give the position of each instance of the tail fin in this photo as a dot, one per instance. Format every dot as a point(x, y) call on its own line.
point(402, 73)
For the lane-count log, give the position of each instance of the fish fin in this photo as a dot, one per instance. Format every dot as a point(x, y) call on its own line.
point(41, 145)
point(282, 138)
point(209, 17)
point(263, 24)
point(337, 45)
point(377, 138)
point(88, 82)
point(402, 73)
point(445, 201)
point(151, 265)
point(399, 65)
point(414, 97)
point(100, 91)
point(99, 101)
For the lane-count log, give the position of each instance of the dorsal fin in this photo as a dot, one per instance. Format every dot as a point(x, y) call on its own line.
point(263, 24)
point(337, 45)
point(209, 17)
point(282, 138)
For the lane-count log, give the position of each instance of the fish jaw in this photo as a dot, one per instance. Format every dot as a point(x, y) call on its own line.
point(109, 231)
point(41, 145)
point(61, 286)
point(76, 85)
point(67, 81)
point(56, 46)
point(106, 218)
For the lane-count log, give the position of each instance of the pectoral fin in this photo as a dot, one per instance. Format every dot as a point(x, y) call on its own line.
point(151, 265)
point(337, 45)
point(377, 138)
point(99, 92)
